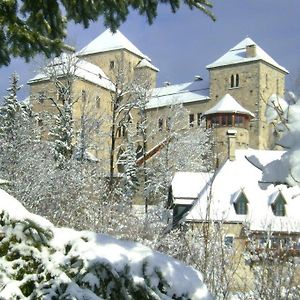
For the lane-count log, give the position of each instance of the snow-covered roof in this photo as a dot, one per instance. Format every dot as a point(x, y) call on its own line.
point(144, 63)
point(80, 68)
point(237, 55)
point(228, 184)
point(228, 104)
point(108, 41)
point(178, 94)
point(188, 186)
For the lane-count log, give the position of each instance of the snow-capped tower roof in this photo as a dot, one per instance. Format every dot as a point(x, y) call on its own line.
point(239, 54)
point(108, 41)
point(228, 104)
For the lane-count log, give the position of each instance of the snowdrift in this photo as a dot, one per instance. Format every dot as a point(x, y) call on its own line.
point(40, 261)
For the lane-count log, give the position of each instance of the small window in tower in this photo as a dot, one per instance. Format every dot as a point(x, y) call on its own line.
point(139, 151)
point(238, 122)
point(40, 122)
point(160, 124)
point(83, 95)
point(199, 115)
point(168, 123)
point(111, 64)
point(191, 120)
point(228, 240)
point(118, 132)
point(267, 83)
point(42, 96)
point(237, 80)
point(98, 102)
point(121, 159)
point(232, 81)
point(229, 120)
point(223, 120)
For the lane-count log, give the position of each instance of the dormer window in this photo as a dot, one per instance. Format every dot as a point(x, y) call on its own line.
point(234, 81)
point(241, 204)
point(278, 206)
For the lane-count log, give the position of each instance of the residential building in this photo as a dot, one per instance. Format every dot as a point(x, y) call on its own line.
point(252, 214)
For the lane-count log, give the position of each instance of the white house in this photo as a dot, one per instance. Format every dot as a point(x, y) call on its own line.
point(238, 194)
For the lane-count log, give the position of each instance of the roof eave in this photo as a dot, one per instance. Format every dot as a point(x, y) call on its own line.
point(214, 65)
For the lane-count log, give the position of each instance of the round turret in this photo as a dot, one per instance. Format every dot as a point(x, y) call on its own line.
point(225, 115)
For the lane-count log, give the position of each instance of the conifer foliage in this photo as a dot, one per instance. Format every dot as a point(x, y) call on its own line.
point(39, 261)
point(16, 131)
point(29, 26)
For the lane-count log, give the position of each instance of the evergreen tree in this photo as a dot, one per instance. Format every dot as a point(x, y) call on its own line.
point(29, 27)
point(16, 130)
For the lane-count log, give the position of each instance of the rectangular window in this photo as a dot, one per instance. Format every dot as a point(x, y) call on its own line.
point(160, 124)
point(83, 95)
point(238, 121)
point(223, 120)
point(199, 115)
point(229, 120)
point(98, 102)
point(168, 123)
point(191, 120)
point(42, 96)
point(228, 240)
point(111, 64)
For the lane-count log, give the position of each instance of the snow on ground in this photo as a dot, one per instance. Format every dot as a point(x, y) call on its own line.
point(90, 249)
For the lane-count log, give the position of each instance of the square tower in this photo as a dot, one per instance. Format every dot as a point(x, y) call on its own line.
point(250, 75)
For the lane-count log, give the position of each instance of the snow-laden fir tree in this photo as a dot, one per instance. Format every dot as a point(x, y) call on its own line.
point(40, 261)
point(17, 132)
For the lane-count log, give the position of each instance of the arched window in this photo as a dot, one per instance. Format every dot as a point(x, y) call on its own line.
point(232, 81)
point(241, 204)
point(237, 80)
point(139, 151)
point(278, 206)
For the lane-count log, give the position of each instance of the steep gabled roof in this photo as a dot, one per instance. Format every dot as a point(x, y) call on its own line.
point(237, 55)
point(228, 104)
point(229, 183)
point(108, 41)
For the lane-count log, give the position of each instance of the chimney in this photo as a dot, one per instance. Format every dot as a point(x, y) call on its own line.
point(198, 78)
point(231, 133)
point(251, 50)
point(167, 83)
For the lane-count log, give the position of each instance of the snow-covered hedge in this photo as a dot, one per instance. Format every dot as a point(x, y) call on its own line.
point(40, 261)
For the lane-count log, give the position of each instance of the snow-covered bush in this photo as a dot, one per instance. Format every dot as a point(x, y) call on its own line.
point(40, 261)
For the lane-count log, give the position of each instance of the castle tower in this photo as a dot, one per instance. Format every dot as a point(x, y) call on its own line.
point(225, 117)
point(109, 49)
point(249, 74)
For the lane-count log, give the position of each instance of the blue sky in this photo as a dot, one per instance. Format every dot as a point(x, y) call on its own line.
point(182, 44)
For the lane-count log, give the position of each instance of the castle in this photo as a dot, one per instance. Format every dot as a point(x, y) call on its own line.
point(241, 82)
